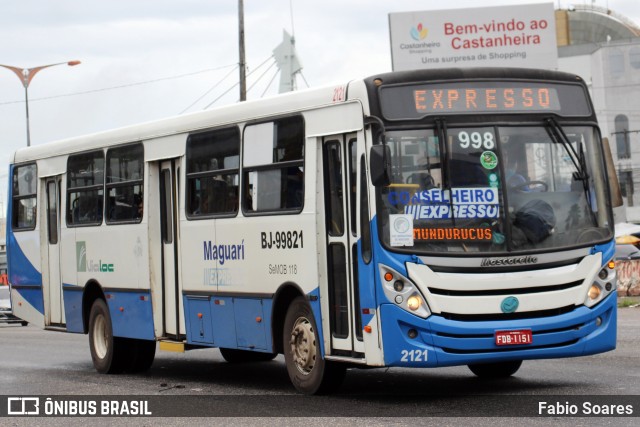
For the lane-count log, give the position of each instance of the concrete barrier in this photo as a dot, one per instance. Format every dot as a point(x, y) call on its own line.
point(628, 277)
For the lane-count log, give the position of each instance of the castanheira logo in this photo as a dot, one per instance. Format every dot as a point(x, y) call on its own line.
point(419, 33)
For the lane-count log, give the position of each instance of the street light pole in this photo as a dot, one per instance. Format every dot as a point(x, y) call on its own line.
point(26, 75)
point(243, 64)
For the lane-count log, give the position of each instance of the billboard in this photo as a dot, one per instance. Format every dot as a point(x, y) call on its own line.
point(506, 36)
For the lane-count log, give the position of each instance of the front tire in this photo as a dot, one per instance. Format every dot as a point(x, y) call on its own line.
point(496, 370)
point(107, 352)
point(309, 372)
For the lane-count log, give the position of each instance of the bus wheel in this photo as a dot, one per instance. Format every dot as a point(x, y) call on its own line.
point(142, 354)
point(242, 356)
point(496, 370)
point(308, 371)
point(107, 351)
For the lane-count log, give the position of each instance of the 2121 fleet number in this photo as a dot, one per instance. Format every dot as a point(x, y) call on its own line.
point(413, 356)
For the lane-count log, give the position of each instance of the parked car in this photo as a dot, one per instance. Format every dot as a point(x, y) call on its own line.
point(627, 241)
point(627, 229)
point(627, 252)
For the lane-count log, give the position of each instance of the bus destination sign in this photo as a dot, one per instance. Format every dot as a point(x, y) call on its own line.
point(473, 99)
point(420, 100)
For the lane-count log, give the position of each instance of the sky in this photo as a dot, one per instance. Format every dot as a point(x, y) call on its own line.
point(144, 60)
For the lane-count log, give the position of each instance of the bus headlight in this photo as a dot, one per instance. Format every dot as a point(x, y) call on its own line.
point(603, 284)
point(403, 292)
point(594, 292)
point(414, 302)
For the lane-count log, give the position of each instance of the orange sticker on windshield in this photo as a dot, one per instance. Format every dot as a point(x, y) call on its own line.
point(453, 234)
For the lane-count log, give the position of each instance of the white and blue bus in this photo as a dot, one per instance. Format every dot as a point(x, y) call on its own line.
point(412, 219)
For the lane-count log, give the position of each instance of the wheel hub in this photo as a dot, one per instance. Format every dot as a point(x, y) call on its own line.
point(100, 337)
point(303, 345)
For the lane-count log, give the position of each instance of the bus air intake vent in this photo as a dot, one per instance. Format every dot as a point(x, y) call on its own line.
point(508, 316)
point(502, 350)
point(518, 291)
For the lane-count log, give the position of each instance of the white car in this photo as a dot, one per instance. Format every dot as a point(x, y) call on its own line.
point(6, 314)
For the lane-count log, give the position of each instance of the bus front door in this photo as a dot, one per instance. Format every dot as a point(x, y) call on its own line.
point(171, 287)
point(54, 313)
point(339, 155)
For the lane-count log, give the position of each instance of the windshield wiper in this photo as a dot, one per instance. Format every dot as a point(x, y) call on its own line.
point(557, 135)
point(441, 129)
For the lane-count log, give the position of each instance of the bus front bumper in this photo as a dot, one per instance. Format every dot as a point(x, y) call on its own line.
point(443, 342)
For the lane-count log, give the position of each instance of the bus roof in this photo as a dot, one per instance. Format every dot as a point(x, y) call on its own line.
point(474, 73)
point(246, 111)
point(257, 109)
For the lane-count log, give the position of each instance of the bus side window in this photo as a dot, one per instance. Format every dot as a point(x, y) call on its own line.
point(213, 160)
point(274, 166)
point(85, 188)
point(124, 184)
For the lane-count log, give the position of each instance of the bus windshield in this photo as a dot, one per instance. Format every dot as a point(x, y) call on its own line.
point(494, 189)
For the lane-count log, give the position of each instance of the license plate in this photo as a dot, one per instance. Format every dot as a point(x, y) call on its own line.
point(523, 336)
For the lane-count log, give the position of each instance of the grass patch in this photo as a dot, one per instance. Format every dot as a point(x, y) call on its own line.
point(628, 302)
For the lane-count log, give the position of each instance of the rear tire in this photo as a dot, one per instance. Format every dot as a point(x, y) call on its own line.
point(107, 352)
point(245, 356)
point(496, 370)
point(309, 372)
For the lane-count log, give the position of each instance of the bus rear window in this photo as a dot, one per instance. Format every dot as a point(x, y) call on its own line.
point(23, 216)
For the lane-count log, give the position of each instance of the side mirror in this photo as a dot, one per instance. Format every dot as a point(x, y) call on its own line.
point(614, 185)
point(380, 165)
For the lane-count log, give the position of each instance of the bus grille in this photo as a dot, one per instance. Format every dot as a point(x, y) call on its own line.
point(508, 316)
point(503, 349)
point(516, 291)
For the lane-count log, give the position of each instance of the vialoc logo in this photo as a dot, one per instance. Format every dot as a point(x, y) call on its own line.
point(81, 256)
point(82, 265)
point(419, 33)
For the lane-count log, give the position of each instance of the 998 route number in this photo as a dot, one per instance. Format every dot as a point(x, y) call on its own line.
point(282, 240)
point(413, 356)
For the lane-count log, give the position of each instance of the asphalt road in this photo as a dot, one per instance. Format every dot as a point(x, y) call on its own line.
point(200, 383)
